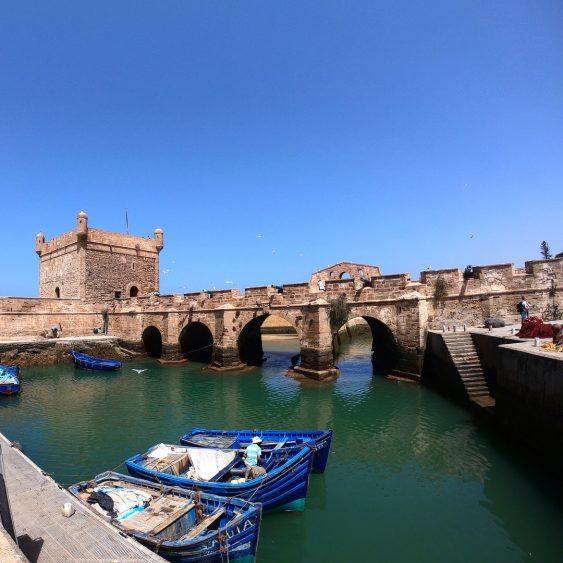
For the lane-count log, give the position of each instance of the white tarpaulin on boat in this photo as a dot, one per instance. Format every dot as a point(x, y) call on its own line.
point(208, 462)
point(160, 451)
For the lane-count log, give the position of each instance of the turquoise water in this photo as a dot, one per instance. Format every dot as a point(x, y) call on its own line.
point(411, 476)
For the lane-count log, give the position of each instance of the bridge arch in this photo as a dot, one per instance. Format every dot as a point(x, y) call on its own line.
point(196, 342)
point(249, 341)
point(385, 350)
point(152, 341)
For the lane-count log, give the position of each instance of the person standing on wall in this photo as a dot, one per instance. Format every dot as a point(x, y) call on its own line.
point(523, 308)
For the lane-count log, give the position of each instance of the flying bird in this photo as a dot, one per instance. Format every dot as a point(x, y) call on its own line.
point(139, 370)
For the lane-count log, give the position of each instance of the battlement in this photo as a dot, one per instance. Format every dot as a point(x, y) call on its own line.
point(94, 264)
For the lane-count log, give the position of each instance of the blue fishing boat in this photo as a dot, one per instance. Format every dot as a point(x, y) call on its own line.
point(238, 439)
point(84, 361)
point(222, 472)
point(9, 380)
point(180, 525)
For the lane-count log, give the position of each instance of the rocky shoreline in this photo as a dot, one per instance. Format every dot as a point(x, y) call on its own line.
point(35, 352)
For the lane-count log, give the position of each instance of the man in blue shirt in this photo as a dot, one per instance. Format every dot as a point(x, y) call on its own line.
point(252, 456)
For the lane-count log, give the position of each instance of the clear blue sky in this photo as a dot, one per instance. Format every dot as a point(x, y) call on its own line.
point(271, 139)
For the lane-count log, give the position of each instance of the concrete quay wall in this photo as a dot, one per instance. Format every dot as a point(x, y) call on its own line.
point(527, 384)
point(529, 402)
point(438, 370)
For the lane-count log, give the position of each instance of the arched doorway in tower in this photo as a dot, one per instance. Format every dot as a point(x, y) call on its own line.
point(196, 342)
point(368, 339)
point(152, 340)
point(271, 338)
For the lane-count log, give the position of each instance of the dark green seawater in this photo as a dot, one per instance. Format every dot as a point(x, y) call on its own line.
point(411, 476)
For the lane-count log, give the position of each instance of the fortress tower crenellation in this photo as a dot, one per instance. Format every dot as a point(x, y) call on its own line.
point(96, 265)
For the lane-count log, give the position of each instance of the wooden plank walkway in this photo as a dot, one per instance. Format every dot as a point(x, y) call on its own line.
point(45, 535)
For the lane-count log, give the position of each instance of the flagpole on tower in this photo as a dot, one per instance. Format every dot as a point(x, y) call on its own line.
point(126, 221)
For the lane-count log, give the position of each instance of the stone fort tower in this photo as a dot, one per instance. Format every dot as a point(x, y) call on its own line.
point(94, 265)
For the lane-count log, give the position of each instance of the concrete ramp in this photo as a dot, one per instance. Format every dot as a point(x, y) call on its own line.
point(45, 535)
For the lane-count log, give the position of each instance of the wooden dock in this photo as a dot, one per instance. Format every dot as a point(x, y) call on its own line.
point(45, 535)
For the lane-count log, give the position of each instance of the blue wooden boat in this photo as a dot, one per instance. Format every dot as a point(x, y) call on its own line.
point(221, 472)
point(238, 439)
point(180, 525)
point(9, 380)
point(84, 361)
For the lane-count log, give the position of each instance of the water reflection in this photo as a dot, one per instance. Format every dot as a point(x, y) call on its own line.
point(440, 490)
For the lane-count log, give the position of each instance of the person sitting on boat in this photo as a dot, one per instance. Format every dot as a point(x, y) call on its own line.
point(252, 457)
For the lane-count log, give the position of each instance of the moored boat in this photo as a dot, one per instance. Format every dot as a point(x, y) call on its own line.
point(221, 472)
point(84, 361)
point(180, 525)
point(237, 439)
point(9, 380)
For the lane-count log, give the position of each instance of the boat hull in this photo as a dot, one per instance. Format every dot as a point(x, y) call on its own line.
point(322, 440)
point(238, 537)
point(284, 488)
point(9, 389)
point(12, 385)
point(84, 361)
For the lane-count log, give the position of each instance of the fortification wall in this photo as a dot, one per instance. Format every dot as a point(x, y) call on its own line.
point(116, 271)
point(61, 268)
point(21, 317)
point(492, 291)
point(126, 243)
point(95, 265)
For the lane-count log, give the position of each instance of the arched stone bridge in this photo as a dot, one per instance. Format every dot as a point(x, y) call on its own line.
point(223, 327)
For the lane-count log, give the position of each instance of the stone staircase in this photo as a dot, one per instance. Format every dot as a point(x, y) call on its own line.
point(464, 355)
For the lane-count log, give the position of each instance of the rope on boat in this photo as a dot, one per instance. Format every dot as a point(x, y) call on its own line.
point(224, 544)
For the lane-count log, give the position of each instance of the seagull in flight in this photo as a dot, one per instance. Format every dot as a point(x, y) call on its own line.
point(139, 370)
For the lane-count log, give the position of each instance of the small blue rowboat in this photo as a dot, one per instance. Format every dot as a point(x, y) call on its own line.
point(9, 380)
point(84, 361)
point(221, 472)
point(180, 525)
point(238, 439)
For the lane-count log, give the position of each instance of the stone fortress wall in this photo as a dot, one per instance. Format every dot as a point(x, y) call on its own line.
point(95, 265)
point(109, 279)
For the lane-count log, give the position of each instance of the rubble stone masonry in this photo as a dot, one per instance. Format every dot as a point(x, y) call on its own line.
point(91, 278)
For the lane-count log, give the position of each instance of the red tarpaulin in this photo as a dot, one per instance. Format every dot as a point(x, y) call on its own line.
point(533, 327)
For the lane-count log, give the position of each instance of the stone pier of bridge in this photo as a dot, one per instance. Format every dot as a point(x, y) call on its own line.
point(223, 327)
